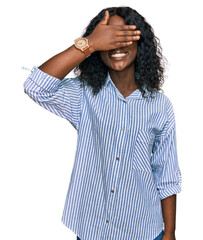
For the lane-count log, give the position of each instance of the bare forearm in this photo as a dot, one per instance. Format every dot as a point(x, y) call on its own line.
point(169, 213)
point(61, 64)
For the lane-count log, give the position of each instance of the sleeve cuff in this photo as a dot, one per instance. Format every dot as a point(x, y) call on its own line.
point(44, 80)
point(164, 193)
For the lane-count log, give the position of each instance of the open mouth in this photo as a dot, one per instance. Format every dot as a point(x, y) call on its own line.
point(118, 55)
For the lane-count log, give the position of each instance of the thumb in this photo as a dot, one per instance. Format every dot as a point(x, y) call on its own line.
point(105, 18)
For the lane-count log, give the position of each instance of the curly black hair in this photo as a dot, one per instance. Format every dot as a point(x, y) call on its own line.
point(149, 62)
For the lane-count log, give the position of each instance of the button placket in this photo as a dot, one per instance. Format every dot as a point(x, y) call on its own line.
point(119, 149)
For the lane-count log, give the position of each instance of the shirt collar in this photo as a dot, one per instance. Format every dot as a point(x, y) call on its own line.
point(137, 94)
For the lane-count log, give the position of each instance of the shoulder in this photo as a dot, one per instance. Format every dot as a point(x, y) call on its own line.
point(162, 99)
point(162, 104)
point(167, 108)
point(162, 108)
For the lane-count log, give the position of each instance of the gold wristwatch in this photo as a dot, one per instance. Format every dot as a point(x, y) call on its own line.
point(81, 43)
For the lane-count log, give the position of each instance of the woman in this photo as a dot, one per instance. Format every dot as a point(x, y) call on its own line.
point(126, 174)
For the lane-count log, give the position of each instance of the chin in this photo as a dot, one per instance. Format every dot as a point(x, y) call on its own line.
point(118, 69)
point(118, 66)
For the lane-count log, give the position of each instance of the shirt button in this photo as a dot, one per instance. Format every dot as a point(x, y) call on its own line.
point(117, 158)
point(112, 191)
point(123, 128)
point(107, 220)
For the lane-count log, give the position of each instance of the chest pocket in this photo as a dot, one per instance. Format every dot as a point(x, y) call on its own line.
point(142, 151)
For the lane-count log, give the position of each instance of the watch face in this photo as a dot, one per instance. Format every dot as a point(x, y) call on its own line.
point(81, 43)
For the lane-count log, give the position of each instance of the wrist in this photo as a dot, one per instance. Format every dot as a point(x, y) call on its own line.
point(169, 236)
point(169, 228)
point(169, 232)
point(91, 44)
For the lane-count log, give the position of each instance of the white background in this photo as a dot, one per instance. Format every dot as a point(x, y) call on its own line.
point(38, 147)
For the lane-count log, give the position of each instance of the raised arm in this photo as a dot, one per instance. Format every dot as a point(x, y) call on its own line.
point(61, 64)
point(104, 37)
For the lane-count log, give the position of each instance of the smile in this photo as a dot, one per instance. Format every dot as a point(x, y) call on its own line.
point(118, 56)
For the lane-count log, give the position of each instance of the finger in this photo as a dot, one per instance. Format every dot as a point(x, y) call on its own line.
point(128, 33)
point(126, 38)
point(105, 18)
point(125, 27)
point(122, 44)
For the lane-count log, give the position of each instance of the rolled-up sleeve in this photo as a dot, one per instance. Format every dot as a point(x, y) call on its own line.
point(164, 160)
point(61, 97)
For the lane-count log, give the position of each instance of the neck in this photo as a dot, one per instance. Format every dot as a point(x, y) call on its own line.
point(124, 79)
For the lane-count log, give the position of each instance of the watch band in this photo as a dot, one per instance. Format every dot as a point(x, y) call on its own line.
point(86, 51)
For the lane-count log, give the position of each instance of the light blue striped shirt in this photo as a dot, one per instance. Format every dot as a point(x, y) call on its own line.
point(126, 156)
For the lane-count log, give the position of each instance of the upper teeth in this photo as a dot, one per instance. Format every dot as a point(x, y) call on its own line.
point(118, 55)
